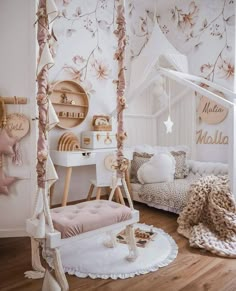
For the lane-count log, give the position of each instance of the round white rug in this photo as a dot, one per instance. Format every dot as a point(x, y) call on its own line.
point(89, 257)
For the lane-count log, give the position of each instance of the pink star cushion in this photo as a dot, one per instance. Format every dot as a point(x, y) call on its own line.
point(5, 182)
point(6, 143)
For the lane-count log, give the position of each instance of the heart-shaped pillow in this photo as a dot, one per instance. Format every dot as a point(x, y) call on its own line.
point(160, 168)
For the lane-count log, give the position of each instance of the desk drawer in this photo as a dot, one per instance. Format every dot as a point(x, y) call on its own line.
point(72, 159)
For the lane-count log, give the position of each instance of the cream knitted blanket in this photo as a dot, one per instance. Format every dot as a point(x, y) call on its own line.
point(209, 218)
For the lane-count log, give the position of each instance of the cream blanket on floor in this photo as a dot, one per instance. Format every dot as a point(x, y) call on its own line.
point(209, 218)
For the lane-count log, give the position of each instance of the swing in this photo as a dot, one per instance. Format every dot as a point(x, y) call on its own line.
point(54, 228)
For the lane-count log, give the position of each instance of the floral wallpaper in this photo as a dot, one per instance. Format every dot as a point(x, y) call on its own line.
point(205, 32)
point(85, 48)
point(202, 30)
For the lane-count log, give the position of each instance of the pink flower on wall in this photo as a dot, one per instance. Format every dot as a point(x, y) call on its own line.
point(206, 69)
point(78, 59)
point(186, 21)
point(226, 69)
point(74, 73)
point(101, 70)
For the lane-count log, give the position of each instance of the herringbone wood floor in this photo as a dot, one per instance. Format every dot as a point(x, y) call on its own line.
point(193, 269)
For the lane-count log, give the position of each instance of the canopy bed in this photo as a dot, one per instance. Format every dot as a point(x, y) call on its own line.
point(160, 60)
point(204, 196)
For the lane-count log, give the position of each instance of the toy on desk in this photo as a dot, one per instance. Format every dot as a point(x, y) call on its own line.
point(68, 142)
point(101, 123)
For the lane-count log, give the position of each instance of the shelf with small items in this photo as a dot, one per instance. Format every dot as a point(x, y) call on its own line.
point(65, 114)
point(70, 102)
point(71, 117)
point(69, 91)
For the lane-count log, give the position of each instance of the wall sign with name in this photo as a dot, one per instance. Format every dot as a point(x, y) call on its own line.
point(203, 137)
point(17, 125)
point(211, 112)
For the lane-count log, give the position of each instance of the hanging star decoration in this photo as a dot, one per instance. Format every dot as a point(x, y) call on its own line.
point(169, 124)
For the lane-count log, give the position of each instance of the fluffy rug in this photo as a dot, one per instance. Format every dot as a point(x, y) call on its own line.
point(209, 218)
point(90, 257)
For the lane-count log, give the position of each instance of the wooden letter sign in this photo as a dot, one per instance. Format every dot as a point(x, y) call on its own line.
point(211, 112)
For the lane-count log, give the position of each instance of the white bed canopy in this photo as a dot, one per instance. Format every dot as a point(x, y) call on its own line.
point(158, 52)
point(160, 58)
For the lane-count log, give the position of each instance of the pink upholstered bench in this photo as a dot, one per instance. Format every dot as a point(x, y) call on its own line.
point(86, 216)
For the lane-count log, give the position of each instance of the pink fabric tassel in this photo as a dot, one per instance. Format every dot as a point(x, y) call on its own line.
point(17, 158)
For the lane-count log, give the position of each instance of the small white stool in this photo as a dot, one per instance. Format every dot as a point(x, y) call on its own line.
point(118, 194)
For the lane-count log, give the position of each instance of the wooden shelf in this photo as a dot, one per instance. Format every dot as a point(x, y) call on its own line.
point(65, 92)
point(68, 104)
point(70, 117)
point(69, 91)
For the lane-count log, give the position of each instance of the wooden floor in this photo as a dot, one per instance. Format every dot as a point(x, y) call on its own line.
point(192, 270)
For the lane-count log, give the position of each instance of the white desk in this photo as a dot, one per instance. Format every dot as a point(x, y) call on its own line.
point(69, 160)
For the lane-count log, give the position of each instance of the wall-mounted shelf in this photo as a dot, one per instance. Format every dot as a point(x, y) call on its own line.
point(54, 103)
point(71, 103)
point(68, 91)
point(70, 117)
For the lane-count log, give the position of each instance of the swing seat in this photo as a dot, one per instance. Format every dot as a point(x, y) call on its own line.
point(87, 216)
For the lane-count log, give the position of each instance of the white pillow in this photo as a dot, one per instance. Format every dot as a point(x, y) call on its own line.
point(160, 168)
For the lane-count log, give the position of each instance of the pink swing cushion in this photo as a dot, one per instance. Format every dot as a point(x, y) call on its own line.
point(86, 216)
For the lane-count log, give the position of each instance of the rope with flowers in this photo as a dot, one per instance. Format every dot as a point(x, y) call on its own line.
point(42, 98)
point(120, 32)
point(47, 12)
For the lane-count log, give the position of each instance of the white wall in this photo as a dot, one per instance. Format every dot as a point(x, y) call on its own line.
point(17, 78)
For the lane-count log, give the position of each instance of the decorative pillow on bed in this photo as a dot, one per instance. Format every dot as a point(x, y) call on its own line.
point(160, 168)
point(181, 167)
point(138, 160)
